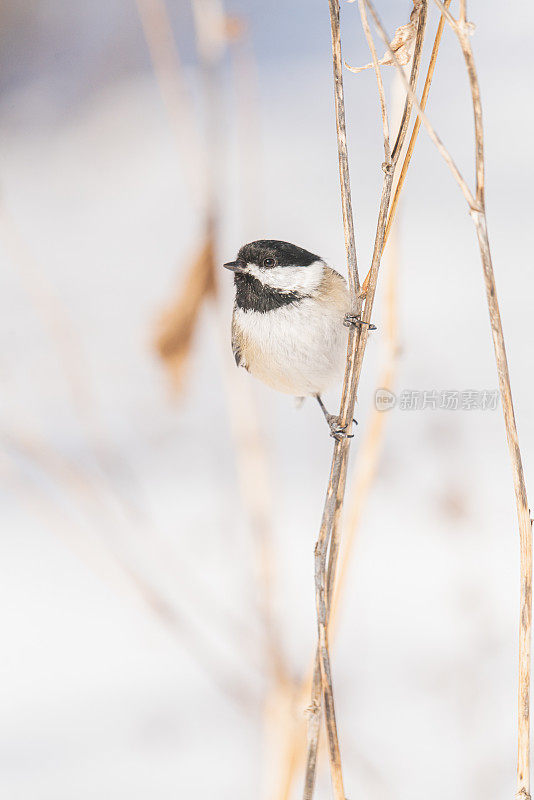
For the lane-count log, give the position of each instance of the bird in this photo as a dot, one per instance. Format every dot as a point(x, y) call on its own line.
point(290, 319)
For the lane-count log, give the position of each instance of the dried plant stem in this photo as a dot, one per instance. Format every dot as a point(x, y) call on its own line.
point(343, 156)
point(328, 534)
point(426, 122)
point(322, 682)
point(416, 126)
point(367, 463)
point(314, 729)
point(378, 74)
point(370, 447)
point(413, 138)
point(477, 207)
point(523, 512)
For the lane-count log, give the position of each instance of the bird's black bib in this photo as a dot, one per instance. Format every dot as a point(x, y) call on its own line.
point(252, 295)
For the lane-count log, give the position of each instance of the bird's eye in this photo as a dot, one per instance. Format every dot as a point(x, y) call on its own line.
point(269, 262)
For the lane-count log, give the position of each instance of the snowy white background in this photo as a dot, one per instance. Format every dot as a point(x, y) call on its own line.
point(97, 700)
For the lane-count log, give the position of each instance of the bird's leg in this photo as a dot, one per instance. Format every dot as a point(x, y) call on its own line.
point(334, 423)
point(332, 419)
point(355, 321)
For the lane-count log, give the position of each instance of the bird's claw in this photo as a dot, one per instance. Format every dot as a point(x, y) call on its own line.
point(341, 434)
point(355, 321)
point(338, 431)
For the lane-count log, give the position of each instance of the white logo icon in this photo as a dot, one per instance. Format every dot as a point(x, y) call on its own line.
point(384, 400)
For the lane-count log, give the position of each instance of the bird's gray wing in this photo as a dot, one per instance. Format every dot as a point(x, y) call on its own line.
point(237, 343)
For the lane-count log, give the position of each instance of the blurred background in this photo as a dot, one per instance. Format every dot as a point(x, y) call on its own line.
point(159, 509)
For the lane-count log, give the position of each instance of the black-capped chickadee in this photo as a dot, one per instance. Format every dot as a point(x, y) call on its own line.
point(288, 322)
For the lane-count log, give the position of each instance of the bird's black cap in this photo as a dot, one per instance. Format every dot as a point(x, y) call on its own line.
point(281, 254)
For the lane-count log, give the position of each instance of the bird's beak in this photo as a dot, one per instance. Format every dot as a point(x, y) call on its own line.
point(236, 266)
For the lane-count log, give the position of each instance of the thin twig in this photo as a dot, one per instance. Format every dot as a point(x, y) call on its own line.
point(444, 9)
point(413, 138)
point(365, 471)
point(370, 448)
point(466, 191)
point(477, 208)
point(403, 127)
point(367, 461)
point(322, 677)
point(523, 512)
point(322, 682)
point(343, 156)
point(380, 84)
point(416, 126)
point(355, 353)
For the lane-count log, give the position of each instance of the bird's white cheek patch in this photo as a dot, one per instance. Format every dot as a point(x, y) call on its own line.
point(289, 279)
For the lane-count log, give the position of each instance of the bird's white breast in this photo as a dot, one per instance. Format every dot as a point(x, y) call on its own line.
point(298, 348)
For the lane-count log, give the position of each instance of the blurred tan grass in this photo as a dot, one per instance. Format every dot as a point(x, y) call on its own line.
point(177, 323)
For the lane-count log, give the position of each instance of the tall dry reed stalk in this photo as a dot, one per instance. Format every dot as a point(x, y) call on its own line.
point(413, 137)
point(371, 439)
point(328, 541)
point(365, 469)
point(476, 203)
